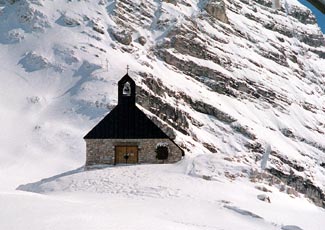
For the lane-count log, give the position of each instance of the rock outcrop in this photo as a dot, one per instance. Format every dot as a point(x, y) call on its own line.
point(217, 9)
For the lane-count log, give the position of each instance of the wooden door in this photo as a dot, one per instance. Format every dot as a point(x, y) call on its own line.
point(126, 154)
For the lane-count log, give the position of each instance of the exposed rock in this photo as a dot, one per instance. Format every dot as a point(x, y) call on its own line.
point(287, 132)
point(311, 39)
point(292, 191)
point(278, 57)
point(264, 2)
point(315, 40)
point(124, 37)
point(142, 40)
point(216, 80)
point(210, 147)
point(290, 227)
point(202, 107)
point(264, 198)
point(217, 9)
point(305, 16)
point(65, 54)
point(33, 99)
point(262, 188)
point(228, 159)
point(255, 147)
point(243, 130)
point(205, 177)
point(33, 62)
point(320, 53)
point(304, 186)
point(32, 19)
point(287, 184)
point(292, 163)
point(271, 25)
point(174, 2)
point(64, 20)
point(192, 46)
point(243, 212)
point(230, 175)
point(176, 118)
point(15, 35)
point(282, 188)
point(98, 29)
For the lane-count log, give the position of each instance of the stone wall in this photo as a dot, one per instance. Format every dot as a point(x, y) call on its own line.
point(102, 151)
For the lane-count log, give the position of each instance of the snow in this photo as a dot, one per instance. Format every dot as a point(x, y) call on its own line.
point(116, 213)
point(156, 196)
point(265, 157)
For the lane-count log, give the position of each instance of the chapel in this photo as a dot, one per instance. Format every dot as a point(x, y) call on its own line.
point(127, 136)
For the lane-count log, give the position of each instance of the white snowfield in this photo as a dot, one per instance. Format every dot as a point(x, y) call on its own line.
point(59, 68)
point(178, 196)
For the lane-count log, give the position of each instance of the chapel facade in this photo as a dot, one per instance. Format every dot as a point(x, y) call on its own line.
point(127, 136)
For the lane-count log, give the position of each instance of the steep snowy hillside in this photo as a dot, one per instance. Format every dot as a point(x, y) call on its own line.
point(235, 79)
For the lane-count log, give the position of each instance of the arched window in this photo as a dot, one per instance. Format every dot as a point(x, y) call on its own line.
point(127, 89)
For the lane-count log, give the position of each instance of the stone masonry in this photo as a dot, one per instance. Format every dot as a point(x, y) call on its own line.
point(102, 151)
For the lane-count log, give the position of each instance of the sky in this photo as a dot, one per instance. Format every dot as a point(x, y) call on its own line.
point(320, 17)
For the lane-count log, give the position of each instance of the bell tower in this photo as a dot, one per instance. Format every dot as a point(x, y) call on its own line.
point(126, 91)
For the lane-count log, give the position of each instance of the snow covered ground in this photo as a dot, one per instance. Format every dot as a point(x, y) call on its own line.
point(155, 197)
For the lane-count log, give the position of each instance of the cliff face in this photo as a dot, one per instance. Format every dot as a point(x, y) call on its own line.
point(223, 77)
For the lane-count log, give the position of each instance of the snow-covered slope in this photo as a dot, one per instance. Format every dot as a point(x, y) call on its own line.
point(237, 80)
point(174, 196)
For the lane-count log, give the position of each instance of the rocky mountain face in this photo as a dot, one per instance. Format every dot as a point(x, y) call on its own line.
point(237, 79)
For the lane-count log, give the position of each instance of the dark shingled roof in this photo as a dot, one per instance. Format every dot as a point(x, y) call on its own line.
point(125, 122)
